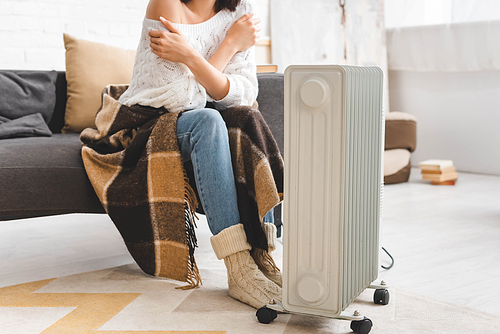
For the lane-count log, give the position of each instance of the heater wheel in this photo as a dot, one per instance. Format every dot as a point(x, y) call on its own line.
point(381, 296)
point(361, 326)
point(266, 315)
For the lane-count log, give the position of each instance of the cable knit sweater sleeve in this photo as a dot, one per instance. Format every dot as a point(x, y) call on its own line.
point(243, 86)
point(241, 70)
point(158, 82)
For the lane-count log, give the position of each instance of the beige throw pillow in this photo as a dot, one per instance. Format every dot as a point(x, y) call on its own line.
point(90, 67)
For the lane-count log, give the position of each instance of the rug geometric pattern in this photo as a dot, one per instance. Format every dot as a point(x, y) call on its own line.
point(125, 300)
point(88, 310)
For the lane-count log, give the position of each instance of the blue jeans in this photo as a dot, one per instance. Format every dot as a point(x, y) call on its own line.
point(203, 140)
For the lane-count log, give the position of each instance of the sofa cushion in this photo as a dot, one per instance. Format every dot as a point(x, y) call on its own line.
point(48, 175)
point(26, 126)
point(396, 166)
point(89, 68)
point(24, 93)
point(400, 131)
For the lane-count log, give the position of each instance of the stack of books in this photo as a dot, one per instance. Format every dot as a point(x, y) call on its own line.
point(267, 68)
point(439, 172)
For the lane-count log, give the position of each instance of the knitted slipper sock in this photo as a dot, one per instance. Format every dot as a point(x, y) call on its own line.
point(246, 282)
point(264, 261)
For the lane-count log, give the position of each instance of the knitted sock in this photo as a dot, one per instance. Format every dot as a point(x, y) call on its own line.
point(246, 282)
point(266, 263)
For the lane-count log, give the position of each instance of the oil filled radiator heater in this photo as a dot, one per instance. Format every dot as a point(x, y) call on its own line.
point(333, 191)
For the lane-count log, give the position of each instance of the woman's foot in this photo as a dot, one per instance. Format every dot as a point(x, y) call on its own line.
point(264, 260)
point(267, 266)
point(246, 282)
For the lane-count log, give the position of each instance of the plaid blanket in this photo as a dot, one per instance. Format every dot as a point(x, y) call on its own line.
point(133, 161)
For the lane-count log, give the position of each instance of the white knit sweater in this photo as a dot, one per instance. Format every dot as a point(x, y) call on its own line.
point(160, 83)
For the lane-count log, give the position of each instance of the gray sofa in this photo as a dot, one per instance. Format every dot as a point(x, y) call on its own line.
point(42, 176)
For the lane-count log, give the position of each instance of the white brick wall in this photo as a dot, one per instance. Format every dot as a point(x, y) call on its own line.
point(31, 31)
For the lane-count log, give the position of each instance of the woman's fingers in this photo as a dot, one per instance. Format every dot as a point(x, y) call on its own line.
point(160, 40)
point(156, 33)
point(169, 25)
point(245, 17)
point(159, 37)
point(169, 45)
point(254, 23)
point(154, 49)
point(245, 32)
point(256, 20)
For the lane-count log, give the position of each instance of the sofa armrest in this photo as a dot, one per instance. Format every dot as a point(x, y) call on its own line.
point(400, 131)
point(271, 104)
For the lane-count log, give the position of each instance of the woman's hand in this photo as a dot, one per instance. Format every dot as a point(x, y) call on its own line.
point(244, 33)
point(172, 45)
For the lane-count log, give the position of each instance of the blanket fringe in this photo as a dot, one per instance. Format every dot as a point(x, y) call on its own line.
point(190, 197)
point(193, 278)
point(191, 204)
point(262, 257)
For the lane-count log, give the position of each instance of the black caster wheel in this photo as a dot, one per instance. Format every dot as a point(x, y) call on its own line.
point(361, 326)
point(381, 296)
point(266, 315)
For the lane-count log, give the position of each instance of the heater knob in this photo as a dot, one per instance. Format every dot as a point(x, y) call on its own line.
point(310, 290)
point(313, 92)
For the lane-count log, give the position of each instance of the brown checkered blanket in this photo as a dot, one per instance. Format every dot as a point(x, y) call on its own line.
point(133, 161)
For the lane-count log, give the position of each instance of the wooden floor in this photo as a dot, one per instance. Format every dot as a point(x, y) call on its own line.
point(445, 240)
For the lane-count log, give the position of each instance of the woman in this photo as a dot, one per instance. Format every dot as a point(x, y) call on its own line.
point(193, 52)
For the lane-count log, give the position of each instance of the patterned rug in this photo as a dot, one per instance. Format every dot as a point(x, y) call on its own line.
point(124, 300)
